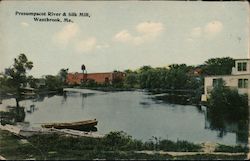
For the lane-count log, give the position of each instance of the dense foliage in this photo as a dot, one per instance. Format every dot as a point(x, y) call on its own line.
point(12, 116)
point(218, 66)
point(16, 75)
point(231, 149)
point(58, 147)
point(172, 77)
point(175, 76)
point(228, 102)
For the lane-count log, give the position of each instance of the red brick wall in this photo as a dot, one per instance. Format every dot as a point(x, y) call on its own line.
point(76, 78)
point(100, 77)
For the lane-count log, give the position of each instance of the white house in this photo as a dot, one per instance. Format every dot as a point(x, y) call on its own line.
point(239, 79)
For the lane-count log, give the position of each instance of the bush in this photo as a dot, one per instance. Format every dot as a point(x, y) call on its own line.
point(231, 149)
point(179, 146)
point(117, 140)
point(228, 102)
point(15, 114)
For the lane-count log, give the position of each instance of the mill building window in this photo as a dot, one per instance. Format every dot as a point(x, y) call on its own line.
point(243, 83)
point(242, 66)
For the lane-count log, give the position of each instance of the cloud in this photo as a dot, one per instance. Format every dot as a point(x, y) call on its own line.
point(86, 45)
point(102, 46)
point(213, 27)
point(66, 34)
point(196, 32)
point(24, 24)
point(146, 31)
point(189, 40)
point(150, 28)
point(123, 36)
point(208, 31)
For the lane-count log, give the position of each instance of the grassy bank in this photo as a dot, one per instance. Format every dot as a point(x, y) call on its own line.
point(231, 149)
point(115, 145)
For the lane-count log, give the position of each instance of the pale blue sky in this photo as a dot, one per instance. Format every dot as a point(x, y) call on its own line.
point(123, 35)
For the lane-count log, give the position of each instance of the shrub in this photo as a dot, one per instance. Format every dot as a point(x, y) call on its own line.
point(231, 149)
point(228, 102)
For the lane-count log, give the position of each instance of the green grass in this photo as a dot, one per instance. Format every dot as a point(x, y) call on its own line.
point(211, 157)
point(231, 149)
point(115, 145)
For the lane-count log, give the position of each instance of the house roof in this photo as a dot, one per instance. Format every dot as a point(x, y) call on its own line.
point(227, 75)
point(242, 59)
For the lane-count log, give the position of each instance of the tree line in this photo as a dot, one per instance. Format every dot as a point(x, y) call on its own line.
point(175, 76)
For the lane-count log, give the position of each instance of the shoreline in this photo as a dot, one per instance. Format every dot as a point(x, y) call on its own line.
point(57, 150)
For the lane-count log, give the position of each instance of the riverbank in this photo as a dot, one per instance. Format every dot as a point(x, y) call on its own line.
point(182, 97)
point(115, 145)
point(105, 88)
point(4, 94)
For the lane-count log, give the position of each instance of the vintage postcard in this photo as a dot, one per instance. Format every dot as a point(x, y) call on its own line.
point(87, 80)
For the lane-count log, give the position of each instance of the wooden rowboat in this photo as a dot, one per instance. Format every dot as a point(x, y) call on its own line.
point(80, 125)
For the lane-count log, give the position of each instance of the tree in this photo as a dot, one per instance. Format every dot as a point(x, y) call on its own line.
point(218, 66)
point(131, 79)
point(228, 102)
point(16, 74)
point(144, 76)
point(117, 80)
point(32, 81)
point(177, 77)
point(63, 75)
point(53, 82)
point(227, 106)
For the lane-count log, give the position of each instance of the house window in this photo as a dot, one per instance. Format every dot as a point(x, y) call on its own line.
point(242, 66)
point(216, 82)
point(243, 83)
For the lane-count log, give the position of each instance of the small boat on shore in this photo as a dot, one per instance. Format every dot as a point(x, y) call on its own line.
point(80, 125)
point(21, 130)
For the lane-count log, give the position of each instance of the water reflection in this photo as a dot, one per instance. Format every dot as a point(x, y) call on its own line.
point(137, 113)
point(13, 115)
point(175, 99)
point(64, 98)
point(223, 123)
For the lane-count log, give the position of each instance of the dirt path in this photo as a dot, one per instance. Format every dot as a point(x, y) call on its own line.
point(186, 153)
point(208, 147)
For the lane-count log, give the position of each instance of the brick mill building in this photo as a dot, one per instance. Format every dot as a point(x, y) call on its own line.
point(100, 78)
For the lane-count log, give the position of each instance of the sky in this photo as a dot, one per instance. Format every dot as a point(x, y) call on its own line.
point(121, 35)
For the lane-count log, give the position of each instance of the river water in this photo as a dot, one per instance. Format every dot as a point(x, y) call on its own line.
point(134, 112)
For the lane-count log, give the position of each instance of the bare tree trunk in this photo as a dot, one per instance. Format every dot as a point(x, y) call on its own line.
point(17, 102)
point(18, 96)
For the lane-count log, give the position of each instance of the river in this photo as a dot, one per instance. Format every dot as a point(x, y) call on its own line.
point(135, 112)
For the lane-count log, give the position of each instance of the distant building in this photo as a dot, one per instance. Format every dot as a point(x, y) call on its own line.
point(239, 79)
point(100, 78)
point(197, 71)
point(40, 83)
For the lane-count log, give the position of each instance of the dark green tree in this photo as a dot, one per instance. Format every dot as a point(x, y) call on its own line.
point(131, 79)
point(177, 77)
point(63, 75)
point(144, 76)
point(16, 74)
point(228, 102)
point(32, 81)
point(218, 66)
point(117, 80)
point(53, 83)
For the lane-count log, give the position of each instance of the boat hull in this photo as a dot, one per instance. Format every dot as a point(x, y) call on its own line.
point(88, 125)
